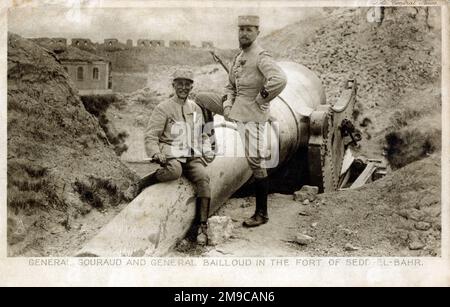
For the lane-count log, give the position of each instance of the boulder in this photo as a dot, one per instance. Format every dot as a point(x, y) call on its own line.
point(303, 239)
point(306, 193)
point(220, 229)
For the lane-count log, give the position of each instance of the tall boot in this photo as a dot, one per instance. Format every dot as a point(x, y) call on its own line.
point(261, 216)
point(136, 188)
point(203, 210)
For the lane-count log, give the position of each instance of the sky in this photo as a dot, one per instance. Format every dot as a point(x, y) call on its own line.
point(217, 24)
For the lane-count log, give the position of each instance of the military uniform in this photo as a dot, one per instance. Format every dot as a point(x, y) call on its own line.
point(254, 78)
point(174, 129)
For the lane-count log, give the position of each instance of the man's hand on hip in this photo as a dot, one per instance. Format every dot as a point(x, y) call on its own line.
point(264, 106)
point(261, 103)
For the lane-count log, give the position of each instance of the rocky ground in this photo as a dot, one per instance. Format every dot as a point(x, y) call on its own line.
point(398, 215)
point(54, 173)
point(392, 62)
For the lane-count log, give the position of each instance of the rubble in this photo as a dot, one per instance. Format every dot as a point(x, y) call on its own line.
point(306, 194)
point(414, 241)
point(303, 239)
point(400, 55)
point(220, 229)
point(350, 248)
point(424, 226)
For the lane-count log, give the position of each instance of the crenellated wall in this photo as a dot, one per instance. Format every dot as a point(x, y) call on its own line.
point(207, 44)
point(113, 44)
point(179, 44)
point(83, 43)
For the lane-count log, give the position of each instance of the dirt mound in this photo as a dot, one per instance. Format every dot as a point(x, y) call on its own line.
point(392, 62)
point(60, 163)
point(399, 214)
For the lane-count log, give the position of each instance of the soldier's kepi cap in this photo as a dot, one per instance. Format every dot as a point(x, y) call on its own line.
point(248, 20)
point(183, 73)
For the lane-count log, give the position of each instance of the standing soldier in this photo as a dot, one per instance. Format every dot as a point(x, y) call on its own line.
point(174, 139)
point(254, 80)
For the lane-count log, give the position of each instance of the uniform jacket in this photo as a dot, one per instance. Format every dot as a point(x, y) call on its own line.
point(253, 70)
point(175, 129)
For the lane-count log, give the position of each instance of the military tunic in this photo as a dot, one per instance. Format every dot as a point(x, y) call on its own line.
point(252, 74)
point(253, 71)
point(175, 129)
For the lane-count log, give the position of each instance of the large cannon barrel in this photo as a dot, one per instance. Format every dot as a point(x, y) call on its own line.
point(163, 213)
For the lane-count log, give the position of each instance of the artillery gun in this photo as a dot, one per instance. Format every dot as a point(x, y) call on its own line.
point(163, 213)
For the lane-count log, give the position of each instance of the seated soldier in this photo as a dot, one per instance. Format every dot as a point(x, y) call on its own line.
point(174, 138)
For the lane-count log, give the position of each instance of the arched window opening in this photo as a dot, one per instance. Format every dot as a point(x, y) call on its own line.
point(95, 75)
point(80, 73)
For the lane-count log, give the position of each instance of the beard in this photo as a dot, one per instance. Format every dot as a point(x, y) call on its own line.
point(245, 44)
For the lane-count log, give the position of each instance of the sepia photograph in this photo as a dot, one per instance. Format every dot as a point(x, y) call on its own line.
point(208, 130)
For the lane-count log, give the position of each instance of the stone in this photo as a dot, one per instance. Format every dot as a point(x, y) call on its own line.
point(304, 213)
point(416, 245)
point(219, 230)
point(16, 230)
point(350, 248)
point(305, 202)
point(306, 193)
point(424, 226)
point(414, 241)
point(303, 239)
point(415, 215)
point(314, 225)
point(349, 232)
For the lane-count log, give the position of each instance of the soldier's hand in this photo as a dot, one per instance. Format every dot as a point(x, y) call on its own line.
point(264, 106)
point(209, 156)
point(160, 158)
point(226, 113)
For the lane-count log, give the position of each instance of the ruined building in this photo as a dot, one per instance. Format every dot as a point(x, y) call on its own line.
point(147, 43)
point(60, 41)
point(143, 43)
point(157, 43)
point(180, 44)
point(207, 44)
point(113, 44)
point(90, 73)
point(83, 44)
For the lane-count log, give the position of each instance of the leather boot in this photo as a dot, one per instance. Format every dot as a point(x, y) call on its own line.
point(136, 188)
point(203, 209)
point(261, 216)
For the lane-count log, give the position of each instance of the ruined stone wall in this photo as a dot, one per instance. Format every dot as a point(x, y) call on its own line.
point(113, 44)
point(157, 43)
point(207, 44)
point(83, 44)
point(143, 43)
point(179, 44)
